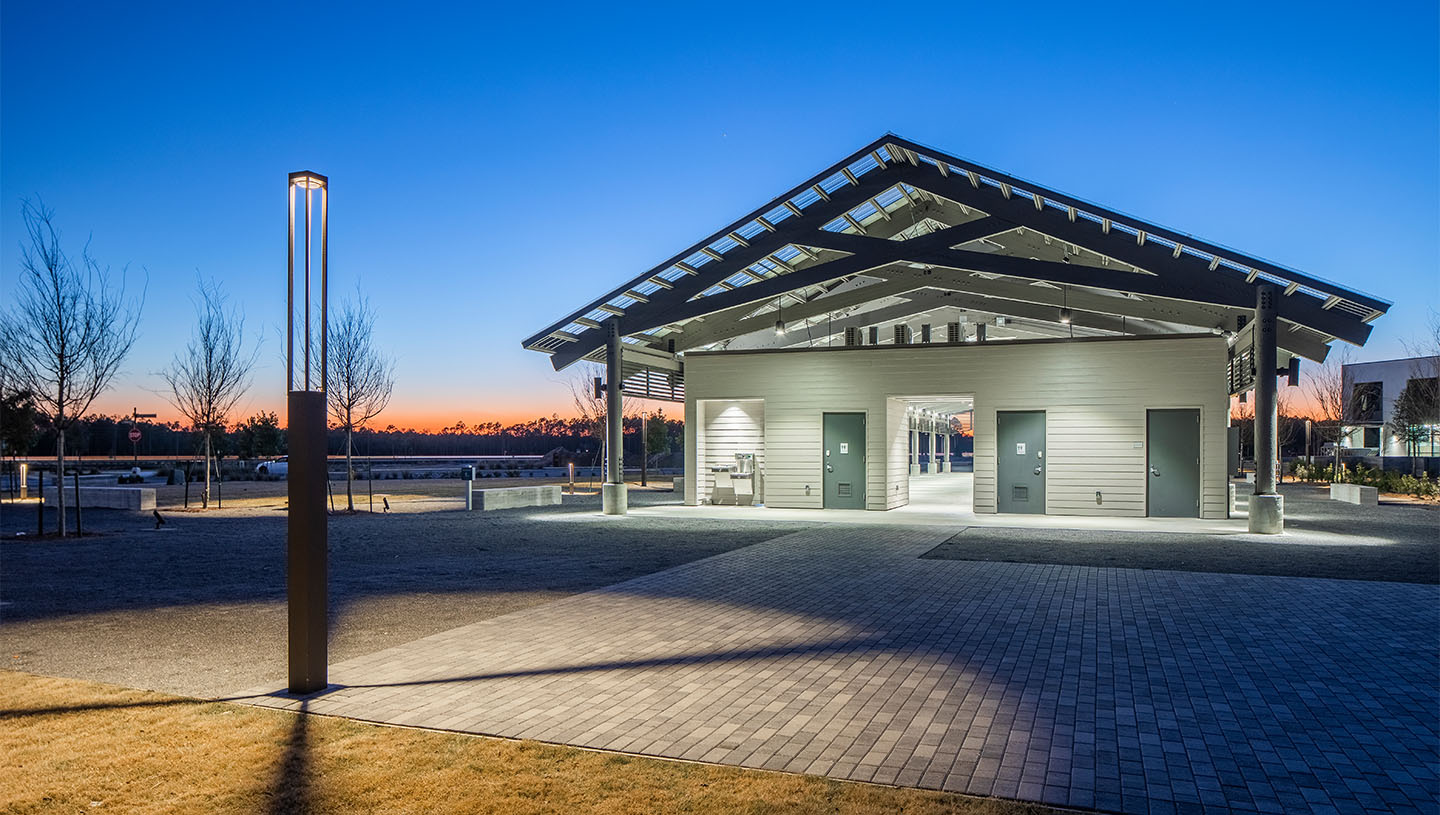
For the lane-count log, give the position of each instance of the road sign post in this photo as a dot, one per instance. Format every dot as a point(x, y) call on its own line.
point(135, 417)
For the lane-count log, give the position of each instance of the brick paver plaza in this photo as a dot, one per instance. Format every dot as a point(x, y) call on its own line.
point(838, 651)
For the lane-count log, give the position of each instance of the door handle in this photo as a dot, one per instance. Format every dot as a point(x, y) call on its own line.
point(1037, 470)
point(1155, 471)
point(829, 469)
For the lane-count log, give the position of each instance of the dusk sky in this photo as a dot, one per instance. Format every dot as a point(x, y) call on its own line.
point(492, 169)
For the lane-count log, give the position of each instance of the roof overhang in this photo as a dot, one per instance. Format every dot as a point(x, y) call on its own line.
point(896, 231)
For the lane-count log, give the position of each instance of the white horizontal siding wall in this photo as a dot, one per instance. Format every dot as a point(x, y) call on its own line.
point(728, 427)
point(897, 454)
point(1095, 394)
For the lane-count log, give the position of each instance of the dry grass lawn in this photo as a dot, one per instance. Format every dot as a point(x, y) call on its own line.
point(73, 746)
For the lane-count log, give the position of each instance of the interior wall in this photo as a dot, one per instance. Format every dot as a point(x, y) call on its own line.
point(1095, 394)
point(728, 427)
point(897, 465)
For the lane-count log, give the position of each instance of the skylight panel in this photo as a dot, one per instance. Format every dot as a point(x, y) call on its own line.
point(863, 165)
point(805, 199)
point(834, 182)
point(865, 210)
point(750, 230)
point(725, 244)
point(778, 214)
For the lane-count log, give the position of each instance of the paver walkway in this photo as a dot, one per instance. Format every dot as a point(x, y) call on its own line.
point(838, 651)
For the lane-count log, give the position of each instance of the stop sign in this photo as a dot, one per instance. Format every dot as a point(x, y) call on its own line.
point(134, 434)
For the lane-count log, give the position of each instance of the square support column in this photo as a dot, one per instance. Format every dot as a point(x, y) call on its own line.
point(612, 493)
point(914, 451)
point(1267, 506)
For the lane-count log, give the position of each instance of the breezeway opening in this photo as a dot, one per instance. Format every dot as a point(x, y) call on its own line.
point(940, 454)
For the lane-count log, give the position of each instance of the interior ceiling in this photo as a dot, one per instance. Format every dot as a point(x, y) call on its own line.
point(900, 234)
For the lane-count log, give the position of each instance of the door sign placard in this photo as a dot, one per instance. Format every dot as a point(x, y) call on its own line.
point(844, 448)
point(1019, 448)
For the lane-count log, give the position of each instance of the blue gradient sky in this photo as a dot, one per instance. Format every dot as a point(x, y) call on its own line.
point(493, 169)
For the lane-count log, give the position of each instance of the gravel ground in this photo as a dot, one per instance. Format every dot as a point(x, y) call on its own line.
point(198, 608)
point(1392, 542)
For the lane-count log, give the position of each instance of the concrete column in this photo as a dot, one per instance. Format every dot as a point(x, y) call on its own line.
point(613, 499)
point(914, 451)
point(934, 450)
point(1267, 506)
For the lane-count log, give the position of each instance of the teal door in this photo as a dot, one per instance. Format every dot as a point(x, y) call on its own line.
point(844, 483)
point(1020, 461)
point(1172, 480)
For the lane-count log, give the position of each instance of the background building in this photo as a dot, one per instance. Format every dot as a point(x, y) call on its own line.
point(1372, 391)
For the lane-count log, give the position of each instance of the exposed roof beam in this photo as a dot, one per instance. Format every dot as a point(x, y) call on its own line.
point(881, 253)
point(1202, 316)
point(743, 319)
point(1172, 311)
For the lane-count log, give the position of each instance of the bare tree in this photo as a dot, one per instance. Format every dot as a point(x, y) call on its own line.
point(1327, 388)
point(361, 378)
point(208, 379)
point(592, 407)
point(67, 331)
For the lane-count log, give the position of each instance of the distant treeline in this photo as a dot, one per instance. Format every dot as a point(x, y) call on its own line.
point(262, 436)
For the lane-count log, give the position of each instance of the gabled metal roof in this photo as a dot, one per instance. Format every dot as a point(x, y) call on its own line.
point(897, 223)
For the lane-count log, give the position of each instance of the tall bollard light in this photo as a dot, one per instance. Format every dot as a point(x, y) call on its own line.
point(307, 534)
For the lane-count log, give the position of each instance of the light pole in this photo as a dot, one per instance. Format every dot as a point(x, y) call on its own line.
point(1308, 461)
point(307, 532)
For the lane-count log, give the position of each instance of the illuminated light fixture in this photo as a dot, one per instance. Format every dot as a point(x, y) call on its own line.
point(779, 328)
point(309, 181)
point(780, 316)
point(1065, 306)
point(1065, 315)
